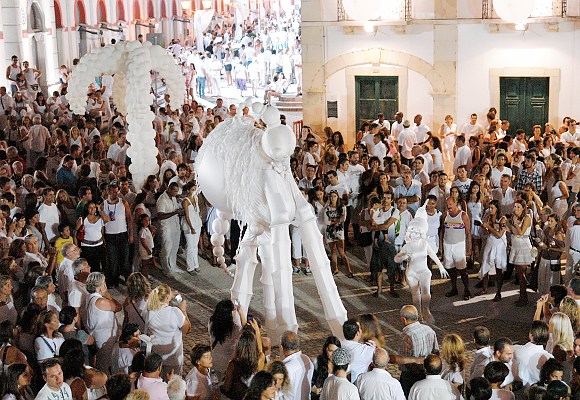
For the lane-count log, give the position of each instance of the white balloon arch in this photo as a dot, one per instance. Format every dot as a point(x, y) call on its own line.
point(131, 63)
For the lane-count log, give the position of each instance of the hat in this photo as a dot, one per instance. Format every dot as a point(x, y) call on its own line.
point(406, 123)
point(113, 183)
point(341, 356)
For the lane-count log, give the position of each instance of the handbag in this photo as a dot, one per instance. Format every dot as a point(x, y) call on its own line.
point(80, 234)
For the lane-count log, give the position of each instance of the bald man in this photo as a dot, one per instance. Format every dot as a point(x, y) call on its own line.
point(300, 368)
point(378, 384)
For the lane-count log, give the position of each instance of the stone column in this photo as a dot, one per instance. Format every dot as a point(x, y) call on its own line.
point(313, 50)
point(445, 62)
point(10, 14)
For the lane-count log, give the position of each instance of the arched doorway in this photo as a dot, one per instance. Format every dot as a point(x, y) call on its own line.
point(101, 11)
point(120, 11)
point(80, 18)
point(38, 47)
point(59, 32)
point(150, 10)
point(136, 10)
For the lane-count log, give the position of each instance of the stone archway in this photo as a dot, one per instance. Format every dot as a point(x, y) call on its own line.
point(383, 56)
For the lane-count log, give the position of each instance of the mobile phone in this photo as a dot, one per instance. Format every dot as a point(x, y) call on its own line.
point(250, 318)
point(236, 303)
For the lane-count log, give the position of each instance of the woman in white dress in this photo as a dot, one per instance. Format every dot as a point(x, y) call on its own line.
point(552, 246)
point(48, 339)
point(101, 318)
point(448, 132)
point(494, 259)
point(475, 212)
point(436, 154)
point(559, 193)
point(135, 305)
point(168, 324)
point(521, 249)
point(191, 225)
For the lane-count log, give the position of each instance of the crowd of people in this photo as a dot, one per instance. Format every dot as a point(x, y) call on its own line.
point(73, 225)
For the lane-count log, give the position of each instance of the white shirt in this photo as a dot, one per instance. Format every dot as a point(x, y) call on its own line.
point(380, 151)
point(50, 216)
point(300, 371)
point(434, 388)
point(407, 140)
point(529, 359)
point(481, 358)
point(361, 356)
point(462, 157)
point(378, 384)
point(468, 130)
point(337, 388)
point(46, 393)
point(421, 132)
point(198, 384)
point(396, 129)
point(369, 142)
point(496, 175)
point(501, 394)
point(46, 348)
point(65, 275)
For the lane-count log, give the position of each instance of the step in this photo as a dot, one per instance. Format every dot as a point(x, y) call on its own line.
point(289, 109)
point(285, 99)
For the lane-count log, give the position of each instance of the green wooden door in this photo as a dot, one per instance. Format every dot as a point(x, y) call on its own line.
point(376, 94)
point(524, 102)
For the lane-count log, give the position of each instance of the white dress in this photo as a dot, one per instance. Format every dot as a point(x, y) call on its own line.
point(560, 205)
point(494, 254)
point(192, 239)
point(165, 324)
point(475, 211)
point(521, 251)
point(104, 328)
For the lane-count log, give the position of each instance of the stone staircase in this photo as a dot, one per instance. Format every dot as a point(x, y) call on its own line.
point(288, 103)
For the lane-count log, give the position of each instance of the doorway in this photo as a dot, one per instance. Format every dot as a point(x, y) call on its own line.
point(376, 94)
point(524, 101)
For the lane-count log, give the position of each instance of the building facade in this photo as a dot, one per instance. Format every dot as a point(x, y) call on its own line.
point(438, 57)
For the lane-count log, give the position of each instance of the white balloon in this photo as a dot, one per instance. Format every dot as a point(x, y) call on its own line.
point(226, 215)
point(271, 116)
point(217, 240)
point(221, 261)
point(279, 142)
point(258, 108)
point(218, 251)
point(514, 11)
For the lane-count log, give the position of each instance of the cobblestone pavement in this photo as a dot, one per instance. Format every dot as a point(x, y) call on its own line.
point(211, 285)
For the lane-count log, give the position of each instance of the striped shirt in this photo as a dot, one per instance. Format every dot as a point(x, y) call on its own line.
point(418, 340)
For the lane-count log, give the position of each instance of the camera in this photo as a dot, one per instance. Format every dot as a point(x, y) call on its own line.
point(178, 298)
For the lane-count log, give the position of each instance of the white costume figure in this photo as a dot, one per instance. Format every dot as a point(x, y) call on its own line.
point(244, 172)
point(416, 250)
point(131, 62)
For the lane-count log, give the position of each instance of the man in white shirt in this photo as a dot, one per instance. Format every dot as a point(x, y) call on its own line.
point(55, 387)
point(77, 293)
point(472, 128)
point(336, 386)
point(361, 353)
point(298, 365)
point(382, 122)
point(369, 139)
point(462, 182)
point(441, 191)
point(5, 103)
point(397, 126)
point(433, 387)
point(220, 109)
point(462, 154)
point(422, 131)
point(334, 184)
point(168, 214)
point(379, 149)
point(407, 140)
point(499, 170)
point(505, 194)
point(65, 272)
point(49, 215)
point(118, 149)
point(378, 384)
point(531, 356)
point(107, 91)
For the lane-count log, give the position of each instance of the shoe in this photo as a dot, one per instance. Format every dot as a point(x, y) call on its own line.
point(296, 270)
point(307, 271)
point(481, 293)
point(394, 294)
point(376, 294)
point(192, 271)
point(350, 275)
point(466, 296)
point(497, 298)
point(335, 272)
point(451, 293)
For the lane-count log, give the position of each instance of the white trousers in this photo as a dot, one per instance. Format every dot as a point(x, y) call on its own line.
point(192, 249)
point(169, 248)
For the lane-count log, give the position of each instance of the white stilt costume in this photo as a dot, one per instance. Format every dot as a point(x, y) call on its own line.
point(244, 172)
point(415, 251)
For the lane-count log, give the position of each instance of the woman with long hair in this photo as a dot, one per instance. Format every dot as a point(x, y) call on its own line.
point(338, 142)
point(475, 212)
point(9, 354)
point(263, 387)
point(66, 206)
point(20, 230)
point(280, 373)
point(135, 304)
point(199, 379)
point(90, 234)
point(225, 327)
point(247, 360)
point(191, 225)
point(371, 330)
point(16, 385)
point(520, 255)
point(569, 307)
point(7, 308)
point(48, 339)
point(559, 193)
point(323, 366)
point(436, 154)
point(561, 343)
point(552, 246)
point(453, 359)
point(168, 323)
point(85, 383)
point(334, 217)
point(494, 257)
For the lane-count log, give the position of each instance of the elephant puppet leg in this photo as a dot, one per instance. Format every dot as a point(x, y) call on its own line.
point(269, 297)
point(334, 310)
point(425, 286)
point(246, 262)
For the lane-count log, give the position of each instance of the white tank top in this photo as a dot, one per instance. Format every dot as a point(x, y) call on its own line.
point(574, 237)
point(454, 229)
point(193, 212)
point(433, 223)
point(14, 71)
point(116, 213)
point(93, 232)
point(101, 324)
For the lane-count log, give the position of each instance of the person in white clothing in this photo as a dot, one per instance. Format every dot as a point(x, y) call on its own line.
point(101, 320)
point(48, 340)
point(472, 128)
point(49, 214)
point(361, 353)
point(433, 387)
point(168, 324)
point(380, 148)
point(462, 154)
point(407, 139)
point(65, 272)
point(531, 356)
point(336, 386)
point(198, 380)
point(168, 213)
point(191, 225)
point(77, 293)
point(496, 372)
point(378, 384)
point(55, 387)
point(300, 368)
